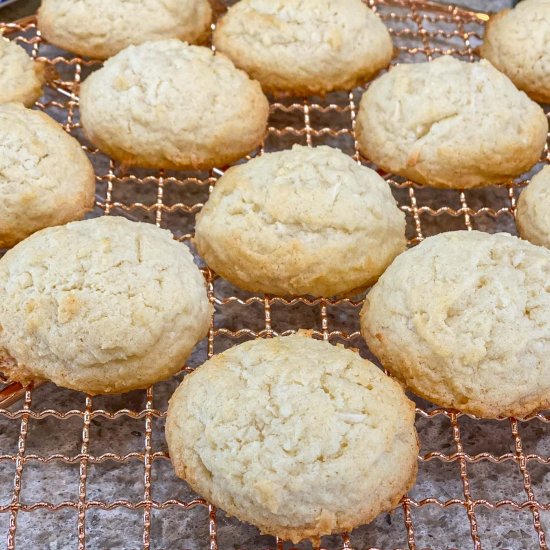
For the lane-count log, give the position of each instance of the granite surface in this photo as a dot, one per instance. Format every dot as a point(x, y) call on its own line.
point(174, 528)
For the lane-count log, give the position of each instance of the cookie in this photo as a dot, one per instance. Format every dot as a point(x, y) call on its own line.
point(450, 124)
point(103, 306)
point(516, 42)
point(462, 319)
point(101, 28)
point(45, 177)
point(305, 47)
point(166, 104)
point(294, 435)
point(21, 78)
point(533, 213)
point(301, 221)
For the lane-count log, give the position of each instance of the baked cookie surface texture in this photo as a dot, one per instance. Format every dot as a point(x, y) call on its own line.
point(21, 78)
point(533, 213)
point(103, 306)
point(517, 42)
point(294, 435)
point(45, 177)
point(450, 124)
point(101, 28)
point(301, 221)
point(166, 104)
point(462, 320)
point(305, 47)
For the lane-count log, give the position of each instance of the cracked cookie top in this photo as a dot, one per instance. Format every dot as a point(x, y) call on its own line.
point(302, 221)
point(101, 28)
point(517, 42)
point(294, 435)
point(45, 177)
point(305, 46)
point(166, 104)
point(449, 123)
point(104, 306)
point(462, 319)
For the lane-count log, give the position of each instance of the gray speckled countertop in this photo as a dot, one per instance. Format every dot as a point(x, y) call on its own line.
point(175, 528)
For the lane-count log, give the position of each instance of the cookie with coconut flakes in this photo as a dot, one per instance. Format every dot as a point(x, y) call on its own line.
point(517, 42)
point(103, 306)
point(305, 47)
point(21, 78)
point(294, 435)
point(450, 124)
point(533, 213)
point(101, 28)
point(167, 104)
point(462, 320)
point(309, 220)
point(45, 177)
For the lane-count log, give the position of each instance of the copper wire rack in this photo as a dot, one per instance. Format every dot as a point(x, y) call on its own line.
point(94, 473)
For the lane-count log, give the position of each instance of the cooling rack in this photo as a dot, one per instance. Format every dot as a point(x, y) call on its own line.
point(94, 473)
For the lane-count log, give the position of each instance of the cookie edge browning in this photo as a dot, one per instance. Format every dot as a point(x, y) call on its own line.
point(400, 369)
point(25, 374)
point(528, 227)
point(33, 90)
point(323, 527)
point(487, 52)
point(80, 208)
point(448, 182)
point(41, 69)
point(315, 86)
point(47, 27)
point(207, 162)
point(277, 286)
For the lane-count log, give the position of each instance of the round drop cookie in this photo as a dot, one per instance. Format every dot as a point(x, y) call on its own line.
point(463, 320)
point(21, 78)
point(294, 435)
point(103, 306)
point(101, 28)
point(301, 221)
point(45, 177)
point(450, 124)
point(517, 42)
point(166, 104)
point(305, 46)
point(533, 214)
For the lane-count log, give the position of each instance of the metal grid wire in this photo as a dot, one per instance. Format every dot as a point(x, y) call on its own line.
point(481, 484)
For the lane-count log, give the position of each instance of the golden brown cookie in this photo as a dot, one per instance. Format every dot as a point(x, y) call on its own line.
point(166, 104)
point(101, 28)
point(302, 221)
point(450, 124)
point(294, 435)
point(305, 47)
point(103, 306)
point(45, 177)
point(462, 319)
